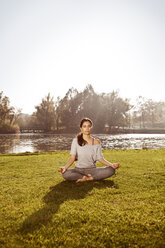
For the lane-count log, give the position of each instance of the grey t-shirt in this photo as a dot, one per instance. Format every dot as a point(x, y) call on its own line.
point(86, 155)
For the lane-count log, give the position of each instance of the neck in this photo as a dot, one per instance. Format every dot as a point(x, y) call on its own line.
point(86, 136)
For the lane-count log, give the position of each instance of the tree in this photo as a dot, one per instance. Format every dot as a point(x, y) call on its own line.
point(57, 113)
point(45, 113)
point(92, 106)
point(27, 122)
point(149, 113)
point(160, 110)
point(117, 110)
point(5, 109)
point(6, 116)
point(103, 109)
point(76, 105)
point(67, 111)
point(141, 111)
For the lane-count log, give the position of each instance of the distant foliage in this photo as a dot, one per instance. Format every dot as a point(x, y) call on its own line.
point(6, 127)
point(7, 116)
point(148, 114)
point(109, 112)
point(45, 114)
point(5, 109)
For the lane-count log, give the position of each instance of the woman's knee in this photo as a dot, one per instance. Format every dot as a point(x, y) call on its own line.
point(111, 171)
point(66, 175)
point(71, 175)
point(104, 172)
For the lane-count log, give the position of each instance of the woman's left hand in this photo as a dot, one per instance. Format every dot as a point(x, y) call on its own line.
point(116, 165)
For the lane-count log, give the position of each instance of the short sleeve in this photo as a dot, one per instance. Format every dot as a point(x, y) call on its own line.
point(99, 153)
point(73, 150)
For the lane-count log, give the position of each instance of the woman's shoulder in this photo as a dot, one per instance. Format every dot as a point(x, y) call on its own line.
point(74, 140)
point(74, 143)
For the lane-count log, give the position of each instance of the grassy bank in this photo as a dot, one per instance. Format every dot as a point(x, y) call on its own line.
point(40, 209)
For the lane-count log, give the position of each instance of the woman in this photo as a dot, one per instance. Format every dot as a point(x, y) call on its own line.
point(87, 150)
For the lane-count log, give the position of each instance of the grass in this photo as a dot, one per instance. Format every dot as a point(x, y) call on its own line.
point(38, 208)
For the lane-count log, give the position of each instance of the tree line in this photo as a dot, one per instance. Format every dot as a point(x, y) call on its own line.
point(108, 111)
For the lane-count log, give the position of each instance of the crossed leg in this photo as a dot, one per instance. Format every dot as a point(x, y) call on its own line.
point(82, 175)
point(85, 178)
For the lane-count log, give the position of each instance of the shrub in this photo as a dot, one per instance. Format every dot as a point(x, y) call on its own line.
point(6, 127)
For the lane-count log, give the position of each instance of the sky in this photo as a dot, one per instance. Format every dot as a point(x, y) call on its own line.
point(53, 45)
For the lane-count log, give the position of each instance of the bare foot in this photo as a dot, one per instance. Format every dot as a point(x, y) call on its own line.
point(85, 178)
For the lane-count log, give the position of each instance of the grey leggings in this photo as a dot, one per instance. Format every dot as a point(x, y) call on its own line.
point(96, 173)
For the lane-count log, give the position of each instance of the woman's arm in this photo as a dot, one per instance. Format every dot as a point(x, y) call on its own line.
point(68, 164)
point(105, 162)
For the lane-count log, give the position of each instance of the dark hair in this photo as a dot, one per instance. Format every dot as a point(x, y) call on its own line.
point(80, 139)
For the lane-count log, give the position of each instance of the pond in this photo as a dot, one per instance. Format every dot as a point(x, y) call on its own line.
point(31, 142)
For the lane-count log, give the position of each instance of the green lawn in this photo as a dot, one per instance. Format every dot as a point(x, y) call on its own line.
point(38, 208)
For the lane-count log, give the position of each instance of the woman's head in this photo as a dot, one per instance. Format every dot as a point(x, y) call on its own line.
point(85, 126)
point(86, 121)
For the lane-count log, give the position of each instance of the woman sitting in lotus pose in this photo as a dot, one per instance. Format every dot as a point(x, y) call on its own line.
point(87, 150)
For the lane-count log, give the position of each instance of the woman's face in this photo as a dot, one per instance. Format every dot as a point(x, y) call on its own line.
point(86, 127)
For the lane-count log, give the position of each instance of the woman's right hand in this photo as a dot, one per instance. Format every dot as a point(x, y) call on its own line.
point(62, 169)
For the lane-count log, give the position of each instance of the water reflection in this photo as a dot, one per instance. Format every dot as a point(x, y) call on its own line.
point(53, 142)
point(9, 142)
point(15, 143)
